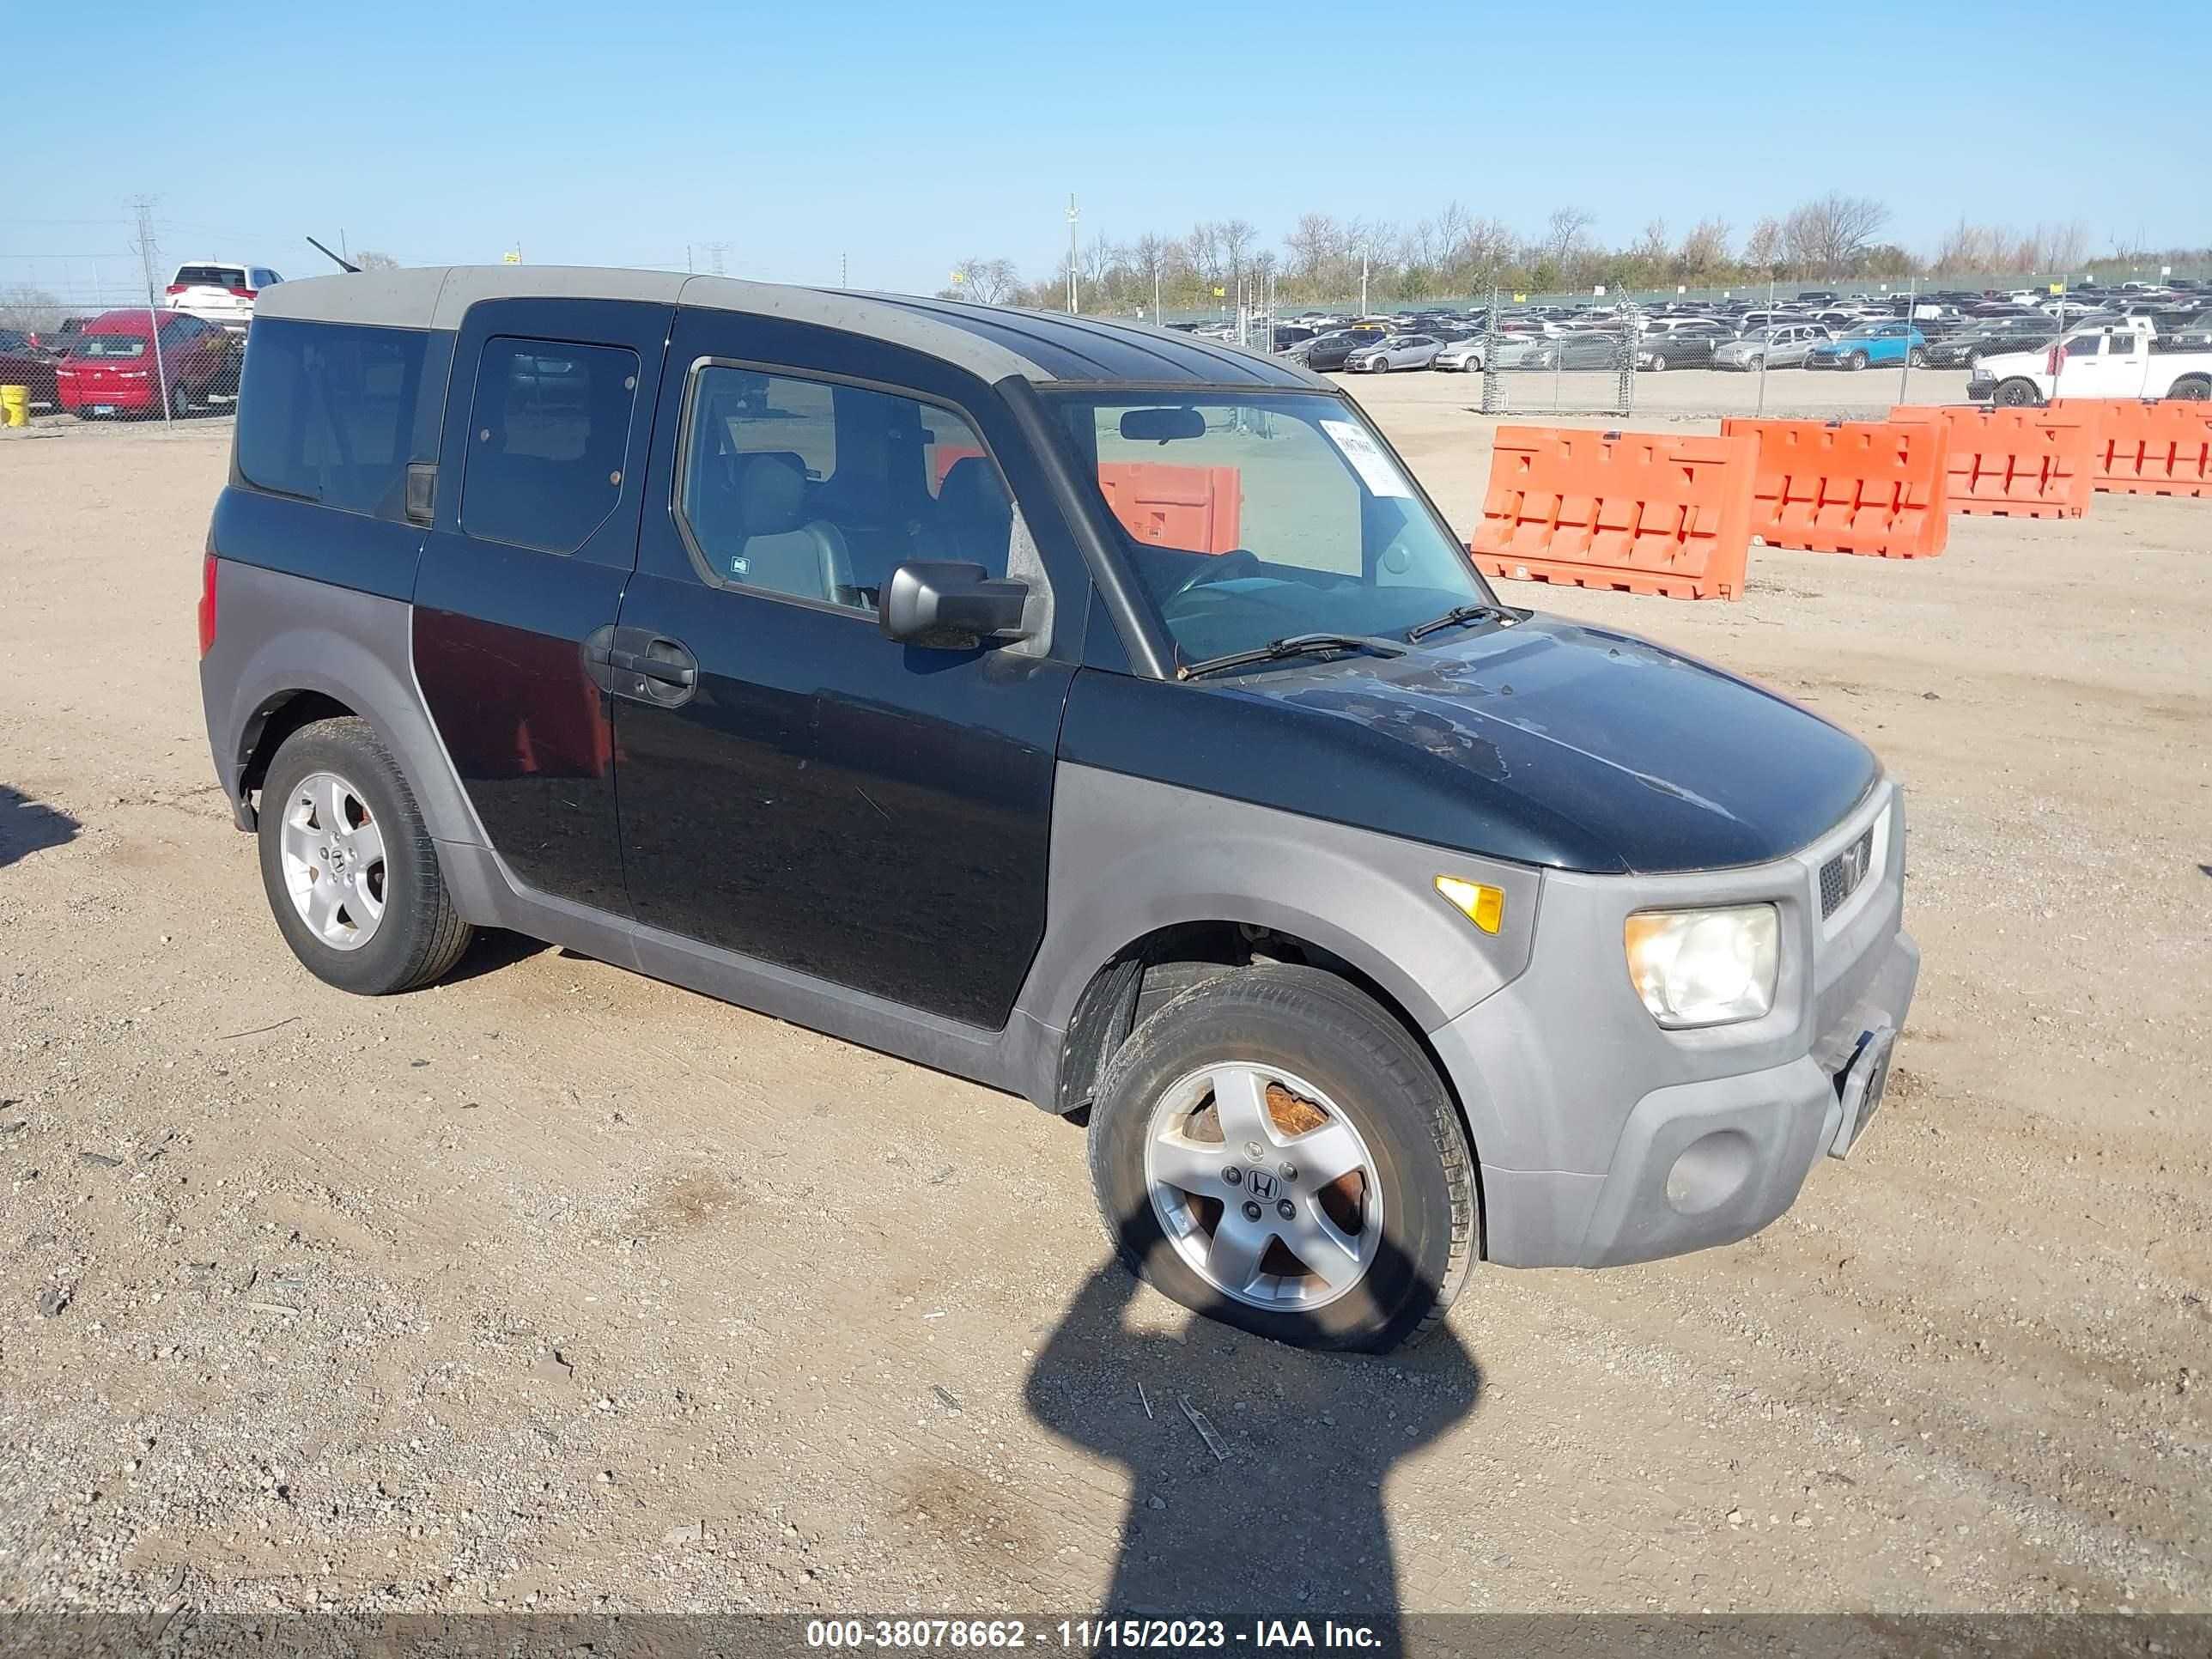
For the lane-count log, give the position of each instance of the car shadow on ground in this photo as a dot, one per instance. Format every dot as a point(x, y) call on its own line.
point(28, 826)
point(1286, 1521)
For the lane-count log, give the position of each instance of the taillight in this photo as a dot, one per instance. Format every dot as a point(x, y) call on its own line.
point(179, 287)
point(243, 293)
point(2050, 362)
point(207, 601)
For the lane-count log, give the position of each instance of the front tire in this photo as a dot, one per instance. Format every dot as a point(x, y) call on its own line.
point(2018, 394)
point(1274, 1149)
point(180, 401)
point(1917, 357)
point(1658, 363)
point(1855, 361)
point(350, 870)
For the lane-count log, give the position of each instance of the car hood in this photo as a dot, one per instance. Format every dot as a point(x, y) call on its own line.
point(1556, 744)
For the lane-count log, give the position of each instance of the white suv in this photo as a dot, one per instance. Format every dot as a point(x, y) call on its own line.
point(219, 290)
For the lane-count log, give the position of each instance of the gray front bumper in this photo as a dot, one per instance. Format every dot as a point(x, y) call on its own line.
point(1604, 1139)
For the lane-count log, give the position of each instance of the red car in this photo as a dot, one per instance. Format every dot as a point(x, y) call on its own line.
point(111, 369)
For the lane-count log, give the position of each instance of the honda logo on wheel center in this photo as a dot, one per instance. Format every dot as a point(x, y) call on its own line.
point(1261, 1185)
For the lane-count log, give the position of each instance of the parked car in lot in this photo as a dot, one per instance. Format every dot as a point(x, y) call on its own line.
point(1970, 345)
point(1870, 344)
point(1464, 356)
point(1328, 351)
point(1394, 351)
point(111, 368)
point(1359, 972)
point(1519, 351)
point(220, 291)
point(28, 365)
point(1784, 345)
point(2112, 360)
point(1690, 346)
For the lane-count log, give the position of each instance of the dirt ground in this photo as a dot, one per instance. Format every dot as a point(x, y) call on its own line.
point(556, 1288)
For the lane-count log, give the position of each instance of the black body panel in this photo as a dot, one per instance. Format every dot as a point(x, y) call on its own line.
point(825, 799)
point(499, 629)
point(370, 555)
point(1546, 743)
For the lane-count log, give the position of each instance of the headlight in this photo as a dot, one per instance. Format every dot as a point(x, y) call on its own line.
point(1705, 967)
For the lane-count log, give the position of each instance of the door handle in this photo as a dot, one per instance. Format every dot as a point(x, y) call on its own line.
point(668, 670)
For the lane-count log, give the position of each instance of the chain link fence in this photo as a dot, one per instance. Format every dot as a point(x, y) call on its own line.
point(120, 333)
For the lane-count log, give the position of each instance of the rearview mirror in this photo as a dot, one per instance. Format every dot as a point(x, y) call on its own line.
point(949, 605)
point(1162, 425)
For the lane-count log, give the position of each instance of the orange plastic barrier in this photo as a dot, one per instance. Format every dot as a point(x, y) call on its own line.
point(1199, 509)
point(2016, 463)
point(1636, 511)
point(1858, 486)
point(2162, 448)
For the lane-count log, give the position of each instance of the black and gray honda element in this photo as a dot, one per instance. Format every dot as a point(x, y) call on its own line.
point(1098, 713)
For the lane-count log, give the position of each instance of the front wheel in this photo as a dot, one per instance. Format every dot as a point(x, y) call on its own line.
point(1271, 1149)
point(349, 865)
point(1918, 358)
point(1658, 363)
point(1857, 359)
point(2018, 394)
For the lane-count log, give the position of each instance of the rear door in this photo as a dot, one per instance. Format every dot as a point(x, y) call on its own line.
point(533, 534)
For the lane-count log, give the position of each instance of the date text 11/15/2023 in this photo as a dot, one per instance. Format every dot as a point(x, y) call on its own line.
point(1089, 1635)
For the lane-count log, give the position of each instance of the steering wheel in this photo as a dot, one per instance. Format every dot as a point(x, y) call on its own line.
point(1237, 561)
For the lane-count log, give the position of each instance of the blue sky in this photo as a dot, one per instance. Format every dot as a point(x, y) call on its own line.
point(905, 136)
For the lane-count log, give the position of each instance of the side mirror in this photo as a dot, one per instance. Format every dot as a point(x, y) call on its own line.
point(949, 605)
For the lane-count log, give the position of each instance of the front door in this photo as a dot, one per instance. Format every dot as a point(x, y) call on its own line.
point(795, 787)
point(548, 423)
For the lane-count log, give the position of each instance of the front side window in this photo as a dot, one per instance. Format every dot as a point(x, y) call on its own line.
point(1247, 519)
point(817, 490)
point(549, 431)
point(2084, 345)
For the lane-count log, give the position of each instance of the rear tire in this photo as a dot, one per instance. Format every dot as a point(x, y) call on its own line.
point(2196, 389)
point(331, 785)
point(1408, 1211)
point(2018, 394)
point(180, 401)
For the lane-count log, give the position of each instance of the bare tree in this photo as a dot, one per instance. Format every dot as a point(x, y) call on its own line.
point(1238, 240)
point(1562, 233)
point(1316, 246)
point(1763, 249)
point(987, 282)
point(1704, 251)
point(369, 260)
point(1652, 245)
point(1829, 233)
point(1202, 247)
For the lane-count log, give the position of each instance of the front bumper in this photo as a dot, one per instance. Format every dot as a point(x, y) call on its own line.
point(1980, 390)
point(1603, 1138)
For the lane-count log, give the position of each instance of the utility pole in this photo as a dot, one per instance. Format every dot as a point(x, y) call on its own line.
point(142, 206)
point(841, 283)
point(1074, 296)
point(1363, 283)
point(714, 250)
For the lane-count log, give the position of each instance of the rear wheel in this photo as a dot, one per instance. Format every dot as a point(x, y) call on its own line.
point(2018, 394)
point(351, 874)
point(181, 400)
point(1274, 1149)
point(2194, 389)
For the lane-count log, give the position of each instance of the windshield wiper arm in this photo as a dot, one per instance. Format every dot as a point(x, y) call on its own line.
point(1295, 645)
point(1453, 618)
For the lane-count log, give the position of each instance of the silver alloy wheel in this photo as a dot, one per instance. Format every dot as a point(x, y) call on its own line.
point(332, 852)
point(1263, 1185)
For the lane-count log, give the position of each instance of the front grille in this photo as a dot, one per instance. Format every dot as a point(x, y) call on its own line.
point(1841, 875)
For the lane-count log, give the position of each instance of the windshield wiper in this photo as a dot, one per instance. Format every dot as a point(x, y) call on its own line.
point(1295, 645)
point(1456, 616)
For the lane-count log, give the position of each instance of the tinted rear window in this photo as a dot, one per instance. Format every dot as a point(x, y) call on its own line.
point(111, 345)
point(212, 276)
point(549, 431)
point(329, 412)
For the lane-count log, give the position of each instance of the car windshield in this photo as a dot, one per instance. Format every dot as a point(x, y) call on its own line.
point(1249, 519)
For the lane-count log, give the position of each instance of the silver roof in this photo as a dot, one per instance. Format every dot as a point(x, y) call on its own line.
point(990, 342)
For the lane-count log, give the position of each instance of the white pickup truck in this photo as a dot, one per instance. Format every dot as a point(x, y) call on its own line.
point(2110, 360)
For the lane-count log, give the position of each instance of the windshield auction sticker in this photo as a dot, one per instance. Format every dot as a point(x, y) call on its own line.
point(1373, 466)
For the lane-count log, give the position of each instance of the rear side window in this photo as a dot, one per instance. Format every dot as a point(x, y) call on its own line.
point(549, 431)
point(328, 412)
